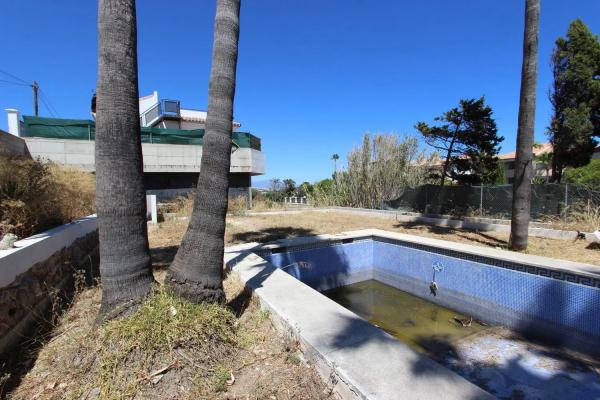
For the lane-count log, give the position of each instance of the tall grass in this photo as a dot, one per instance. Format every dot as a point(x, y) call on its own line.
point(35, 196)
point(377, 171)
point(184, 206)
point(583, 217)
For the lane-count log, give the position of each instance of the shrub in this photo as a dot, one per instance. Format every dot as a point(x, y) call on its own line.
point(35, 196)
point(377, 171)
point(588, 175)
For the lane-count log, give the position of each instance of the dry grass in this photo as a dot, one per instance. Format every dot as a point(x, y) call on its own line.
point(272, 227)
point(237, 205)
point(171, 349)
point(36, 196)
point(264, 228)
point(183, 206)
point(266, 205)
point(577, 217)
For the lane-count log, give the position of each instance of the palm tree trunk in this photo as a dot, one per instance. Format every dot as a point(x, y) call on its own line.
point(125, 267)
point(521, 206)
point(197, 270)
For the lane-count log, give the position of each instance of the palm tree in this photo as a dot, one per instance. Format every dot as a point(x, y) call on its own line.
point(197, 270)
point(546, 159)
point(125, 266)
point(335, 157)
point(524, 158)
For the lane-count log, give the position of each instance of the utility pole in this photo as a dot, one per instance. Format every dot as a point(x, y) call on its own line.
point(35, 88)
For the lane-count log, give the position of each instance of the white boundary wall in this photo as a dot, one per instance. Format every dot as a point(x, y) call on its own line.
point(40, 247)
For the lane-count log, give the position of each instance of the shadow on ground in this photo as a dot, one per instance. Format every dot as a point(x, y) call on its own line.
point(162, 256)
point(473, 236)
point(593, 246)
point(271, 234)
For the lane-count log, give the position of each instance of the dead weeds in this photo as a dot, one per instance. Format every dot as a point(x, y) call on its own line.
point(170, 349)
point(265, 228)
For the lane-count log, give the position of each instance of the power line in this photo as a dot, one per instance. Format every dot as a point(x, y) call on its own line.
point(23, 81)
point(49, 106)
point(42, 95)
point(14, 83)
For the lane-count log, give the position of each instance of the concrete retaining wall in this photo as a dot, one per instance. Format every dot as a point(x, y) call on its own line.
point(157, 157)
point(37, 269)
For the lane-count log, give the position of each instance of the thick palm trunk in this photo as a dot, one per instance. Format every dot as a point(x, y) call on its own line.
point(521, 206)
point(197, 270)
point(125, 266)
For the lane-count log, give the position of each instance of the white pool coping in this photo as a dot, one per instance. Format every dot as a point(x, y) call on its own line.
point(359, 360)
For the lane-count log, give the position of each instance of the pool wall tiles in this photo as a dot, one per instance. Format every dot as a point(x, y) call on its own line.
point(555, 301)
point(326, 267)
point(492, 293)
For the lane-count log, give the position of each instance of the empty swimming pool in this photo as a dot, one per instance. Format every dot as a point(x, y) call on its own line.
point(517, 326)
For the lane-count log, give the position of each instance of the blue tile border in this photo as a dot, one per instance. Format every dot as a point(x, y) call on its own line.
point(566, 276)
point(570, 277)
point(311, 246)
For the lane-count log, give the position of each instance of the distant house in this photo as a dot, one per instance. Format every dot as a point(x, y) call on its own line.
point(172, 140)
point(540, 168)
point(168, 114)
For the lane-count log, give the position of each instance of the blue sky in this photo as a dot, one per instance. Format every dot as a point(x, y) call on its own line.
point(313, 75)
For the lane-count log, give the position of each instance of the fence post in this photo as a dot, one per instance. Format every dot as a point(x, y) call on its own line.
point(566, 201)
point(481, 200)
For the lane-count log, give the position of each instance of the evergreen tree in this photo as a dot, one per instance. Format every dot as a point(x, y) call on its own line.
point(468, 140)
point(289, 187)
point(575, 98)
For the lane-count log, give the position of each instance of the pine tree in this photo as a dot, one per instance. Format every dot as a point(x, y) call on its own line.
point(468, 141)
point(575, 98)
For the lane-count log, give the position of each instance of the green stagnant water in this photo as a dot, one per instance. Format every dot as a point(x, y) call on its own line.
point(419, 323)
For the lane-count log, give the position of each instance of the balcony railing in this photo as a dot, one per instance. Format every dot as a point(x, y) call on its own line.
point(164, 108)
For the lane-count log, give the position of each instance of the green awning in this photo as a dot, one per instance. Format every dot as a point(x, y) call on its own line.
point(85, 129)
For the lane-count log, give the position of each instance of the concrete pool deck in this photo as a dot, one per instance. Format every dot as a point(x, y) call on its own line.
point(358, 359)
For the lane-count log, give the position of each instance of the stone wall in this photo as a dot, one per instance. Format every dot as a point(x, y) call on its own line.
point(11, 145)
point(24, 301)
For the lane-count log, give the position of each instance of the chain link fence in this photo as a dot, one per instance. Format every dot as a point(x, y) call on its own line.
point(496, 201)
